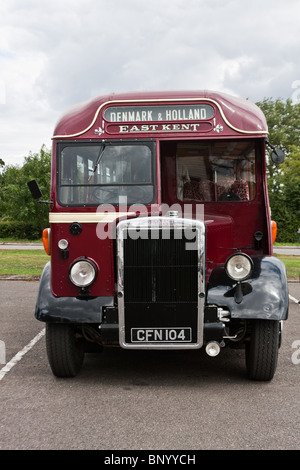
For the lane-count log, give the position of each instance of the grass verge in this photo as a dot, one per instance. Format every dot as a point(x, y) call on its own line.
point(292, 264)
point(22, 262)
point(32, 262)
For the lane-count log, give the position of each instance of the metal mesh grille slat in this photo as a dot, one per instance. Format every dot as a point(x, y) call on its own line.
point(160, 270)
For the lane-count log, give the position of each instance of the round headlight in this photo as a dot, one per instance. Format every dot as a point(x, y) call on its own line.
point(83, 273)
point(239, 267)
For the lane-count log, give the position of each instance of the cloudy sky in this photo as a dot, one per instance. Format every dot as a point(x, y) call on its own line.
point(54, 54)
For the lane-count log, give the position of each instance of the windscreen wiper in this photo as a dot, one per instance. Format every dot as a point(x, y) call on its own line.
point(101, 152)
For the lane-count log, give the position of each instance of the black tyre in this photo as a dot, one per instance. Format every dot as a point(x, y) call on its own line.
point(64, 349)
point(262, 351)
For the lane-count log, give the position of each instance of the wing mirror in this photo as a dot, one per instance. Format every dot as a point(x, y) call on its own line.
point(36, 192)
point(34, 188)
point(277, 155)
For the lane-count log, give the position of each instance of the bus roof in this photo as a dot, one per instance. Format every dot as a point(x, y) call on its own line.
point(240, 115)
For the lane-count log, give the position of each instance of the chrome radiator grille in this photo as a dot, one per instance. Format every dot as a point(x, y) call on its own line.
point(160, 282)
point(160, 270)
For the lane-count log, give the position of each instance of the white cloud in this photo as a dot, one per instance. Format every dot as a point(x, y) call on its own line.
point(55, 54)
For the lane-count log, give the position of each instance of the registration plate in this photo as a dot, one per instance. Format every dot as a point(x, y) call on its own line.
point(161, 335)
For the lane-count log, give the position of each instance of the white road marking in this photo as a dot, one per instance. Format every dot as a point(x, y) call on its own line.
point(20, 354)
point(294, 300)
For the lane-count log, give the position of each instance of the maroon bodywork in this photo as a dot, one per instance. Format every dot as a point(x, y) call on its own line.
point(228, 225)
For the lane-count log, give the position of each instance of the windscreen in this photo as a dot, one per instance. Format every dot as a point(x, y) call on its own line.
point(216, 171)
point(107, 173)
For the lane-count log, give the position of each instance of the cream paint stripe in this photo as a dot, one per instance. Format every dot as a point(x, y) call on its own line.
point(265, 131)
point(20, 354)
point(93, 217)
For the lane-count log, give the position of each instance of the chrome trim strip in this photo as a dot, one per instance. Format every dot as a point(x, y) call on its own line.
point(141, 223)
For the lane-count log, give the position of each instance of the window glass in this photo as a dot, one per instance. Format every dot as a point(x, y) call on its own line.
point(216, 171)
point(92, 174)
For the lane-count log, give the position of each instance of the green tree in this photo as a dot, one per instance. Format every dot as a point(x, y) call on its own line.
point(283, 120)
point(16, 202)
point(290, 195)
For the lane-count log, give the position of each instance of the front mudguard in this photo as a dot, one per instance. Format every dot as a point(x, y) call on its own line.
point(264, 295)
point(67, 309)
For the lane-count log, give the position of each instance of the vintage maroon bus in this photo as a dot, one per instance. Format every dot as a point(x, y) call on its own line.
point(160, 232)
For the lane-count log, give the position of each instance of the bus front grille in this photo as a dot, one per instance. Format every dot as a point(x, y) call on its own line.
point(160, 270)
point(160, 276)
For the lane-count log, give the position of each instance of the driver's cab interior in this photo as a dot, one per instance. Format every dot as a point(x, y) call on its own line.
point(208, 171)
point(91, 174)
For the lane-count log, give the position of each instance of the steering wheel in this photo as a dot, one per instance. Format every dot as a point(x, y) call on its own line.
point(135, 194)
point(100, 196)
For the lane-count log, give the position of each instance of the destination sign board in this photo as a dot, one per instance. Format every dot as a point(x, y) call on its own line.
point(164, 113)
point(158, 127)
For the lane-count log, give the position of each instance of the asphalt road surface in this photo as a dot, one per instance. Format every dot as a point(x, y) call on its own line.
point(150, 400)
point(21, 246)
point(284, 250)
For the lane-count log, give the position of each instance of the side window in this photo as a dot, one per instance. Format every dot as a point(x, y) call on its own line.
point(216, 171)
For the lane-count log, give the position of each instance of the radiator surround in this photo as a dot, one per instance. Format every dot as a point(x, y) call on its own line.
point(161, 282)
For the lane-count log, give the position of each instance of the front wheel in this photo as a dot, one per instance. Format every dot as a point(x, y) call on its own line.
point(64, 349)
point(262, 350)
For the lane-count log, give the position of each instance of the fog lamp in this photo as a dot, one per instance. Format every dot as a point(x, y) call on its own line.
point(63, 244)
point(239, 266)
point(213, 348)
point(82, 273)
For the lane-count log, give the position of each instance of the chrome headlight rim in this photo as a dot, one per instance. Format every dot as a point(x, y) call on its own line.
point(231, 260)
point(87, 264)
